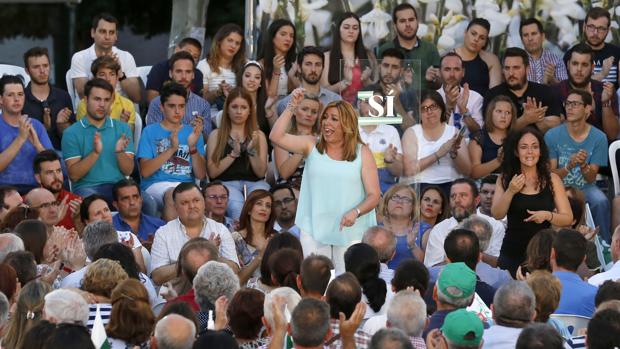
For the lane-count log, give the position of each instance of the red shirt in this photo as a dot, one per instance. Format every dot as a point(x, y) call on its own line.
point(188, 298)
point(66, 221)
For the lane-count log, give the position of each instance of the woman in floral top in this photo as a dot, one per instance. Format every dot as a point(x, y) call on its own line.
point(255, 228)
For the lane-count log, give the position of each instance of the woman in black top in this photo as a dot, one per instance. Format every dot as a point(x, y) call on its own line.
point(528, 193)
point(485, 145)
point(482, 68)
point(238, 151)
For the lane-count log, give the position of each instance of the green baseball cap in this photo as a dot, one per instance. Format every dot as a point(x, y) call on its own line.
point(457, 281)
point(462, 327)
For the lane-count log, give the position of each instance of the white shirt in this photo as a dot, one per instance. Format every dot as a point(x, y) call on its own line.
point(497, 237)
point(386, 274)
point(441, 171)
point(379, 139)
point(375, 324)
point(612, 274)
point(474, 106)
point(435, 253)
point(170, 238)
point(82, 60)
point(501, 337)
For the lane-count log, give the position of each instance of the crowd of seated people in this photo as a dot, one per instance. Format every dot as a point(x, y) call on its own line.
point(256, 211)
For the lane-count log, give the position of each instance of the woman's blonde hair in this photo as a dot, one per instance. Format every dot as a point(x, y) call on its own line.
point(547, 288)
point(28, 313)
point(102, 276)
point(348, 121)
point(415, 208)
point(223, 132)
point(488, 114)
point(316, 128)
point(131, 319)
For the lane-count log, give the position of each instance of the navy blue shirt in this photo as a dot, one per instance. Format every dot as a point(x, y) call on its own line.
point(436, 321)
point(160, 74)
point(57, 100)
point(148, 225)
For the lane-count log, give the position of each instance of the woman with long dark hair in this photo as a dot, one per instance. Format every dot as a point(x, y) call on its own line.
point(348, 65)
point(363, 261)
point(278, 55)
point(255, 229)
point(528, 193)
point(225, 59)
point(237, 151)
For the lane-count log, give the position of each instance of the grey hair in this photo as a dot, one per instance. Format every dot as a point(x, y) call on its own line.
point(10, 242)
point(392, 336)
point(385, 252)
point(97, 234)
point(407, 312)
point(481, 227)
point(168, 335)
point(290, 296)
point(66, 306)
point(457, 303)
point(514, 304)
point(213, 280)
point(4, 310)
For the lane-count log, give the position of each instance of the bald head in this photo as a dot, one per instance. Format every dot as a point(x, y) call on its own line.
point(45, 201)
point(175, 332)
point(382, 240)
point(615, 245)
point(9, 242)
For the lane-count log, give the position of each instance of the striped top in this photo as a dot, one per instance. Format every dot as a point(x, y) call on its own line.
point(537, 67)
point(104, 308)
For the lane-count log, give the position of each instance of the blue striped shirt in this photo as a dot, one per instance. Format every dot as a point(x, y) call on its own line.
point(537, 67)
point(193, 104)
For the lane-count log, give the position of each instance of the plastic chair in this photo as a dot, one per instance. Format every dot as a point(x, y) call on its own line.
point(7, 69)
point(614, 166)
point(602, 248)
point(576, 324)
point(144, 73)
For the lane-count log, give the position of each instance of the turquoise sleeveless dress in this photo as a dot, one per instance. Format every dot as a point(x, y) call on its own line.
point(330, 188)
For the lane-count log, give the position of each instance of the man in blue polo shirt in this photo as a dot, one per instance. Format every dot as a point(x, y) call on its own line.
point(98, 150)
point(128, 202)
point(567, 253)
point(21, 137)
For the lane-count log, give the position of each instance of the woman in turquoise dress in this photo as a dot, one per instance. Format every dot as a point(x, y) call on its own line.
point(340, 185)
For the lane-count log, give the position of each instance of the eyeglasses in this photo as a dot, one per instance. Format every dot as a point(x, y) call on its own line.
point(48, 205)
point(429, 109)
point(218, 197)
point(593, 28)
point(402, 199)
point(573, 104)
point(284, 201)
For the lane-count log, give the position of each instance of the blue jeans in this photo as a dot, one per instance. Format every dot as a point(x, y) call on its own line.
point(105, 190)
point(235, 195)
point(600, 208)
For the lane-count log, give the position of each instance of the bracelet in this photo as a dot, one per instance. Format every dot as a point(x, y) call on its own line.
point(359, 212)
point(466, 114)
point(193, 151)
point(550, 219)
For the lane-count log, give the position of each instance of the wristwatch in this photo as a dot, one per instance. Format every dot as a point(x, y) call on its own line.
point(359, 212)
